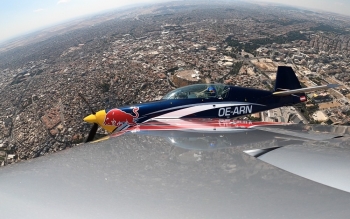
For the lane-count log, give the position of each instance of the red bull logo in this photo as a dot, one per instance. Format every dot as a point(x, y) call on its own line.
point(117, 117)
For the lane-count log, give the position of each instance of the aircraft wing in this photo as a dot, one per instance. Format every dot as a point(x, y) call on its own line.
point(186, 174)
point(304, 90)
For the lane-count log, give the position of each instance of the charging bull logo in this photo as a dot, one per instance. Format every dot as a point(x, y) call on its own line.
point(117, 117)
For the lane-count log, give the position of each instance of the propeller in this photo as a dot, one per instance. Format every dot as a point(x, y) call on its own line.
point(92, 133)
point(94, 128)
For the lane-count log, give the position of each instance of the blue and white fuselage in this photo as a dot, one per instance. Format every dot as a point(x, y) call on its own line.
point(207, 101)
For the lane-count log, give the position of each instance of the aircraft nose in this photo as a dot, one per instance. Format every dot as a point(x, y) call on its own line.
point(91, 119)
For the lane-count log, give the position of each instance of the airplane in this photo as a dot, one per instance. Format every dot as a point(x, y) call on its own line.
point(206, 101)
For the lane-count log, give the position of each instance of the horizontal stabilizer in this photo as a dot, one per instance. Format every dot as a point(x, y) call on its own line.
point(304, 90)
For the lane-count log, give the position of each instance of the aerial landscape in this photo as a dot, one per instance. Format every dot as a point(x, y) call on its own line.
point(139, 54)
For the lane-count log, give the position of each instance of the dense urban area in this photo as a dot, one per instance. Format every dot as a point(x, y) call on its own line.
point(138, 55)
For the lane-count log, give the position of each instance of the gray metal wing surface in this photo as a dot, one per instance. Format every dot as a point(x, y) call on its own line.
point(181, 174)
point(324, 158)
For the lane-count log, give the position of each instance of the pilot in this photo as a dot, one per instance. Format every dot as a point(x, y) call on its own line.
point(211, 91)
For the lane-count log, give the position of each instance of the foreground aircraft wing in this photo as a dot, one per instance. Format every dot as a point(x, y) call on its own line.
point(324, 163)
point(304, 90)
point(187, 174)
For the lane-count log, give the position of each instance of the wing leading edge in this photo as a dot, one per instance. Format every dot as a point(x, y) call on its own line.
point(304, 90)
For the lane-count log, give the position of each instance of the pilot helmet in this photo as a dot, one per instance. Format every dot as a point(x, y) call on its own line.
point(212, 90)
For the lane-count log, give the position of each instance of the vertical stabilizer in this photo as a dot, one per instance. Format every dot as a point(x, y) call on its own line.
point(286, 79)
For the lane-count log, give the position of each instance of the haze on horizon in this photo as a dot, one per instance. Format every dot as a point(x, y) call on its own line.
point(335, 6)
point(27, 16)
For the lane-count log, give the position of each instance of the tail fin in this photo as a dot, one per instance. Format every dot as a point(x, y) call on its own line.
point(287, 83)
point(286, 79)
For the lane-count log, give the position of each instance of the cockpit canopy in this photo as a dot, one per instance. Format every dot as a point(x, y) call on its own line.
point(204, 91)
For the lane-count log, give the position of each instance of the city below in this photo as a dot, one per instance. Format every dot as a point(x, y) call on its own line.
point(140, 54)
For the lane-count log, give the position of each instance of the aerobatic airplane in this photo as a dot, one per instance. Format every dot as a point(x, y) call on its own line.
point(206, 101)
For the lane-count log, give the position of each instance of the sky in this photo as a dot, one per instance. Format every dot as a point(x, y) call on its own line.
point(22, 16)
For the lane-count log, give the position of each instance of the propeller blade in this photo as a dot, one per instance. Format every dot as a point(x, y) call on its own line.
point(92, 133)
point(87, 103)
